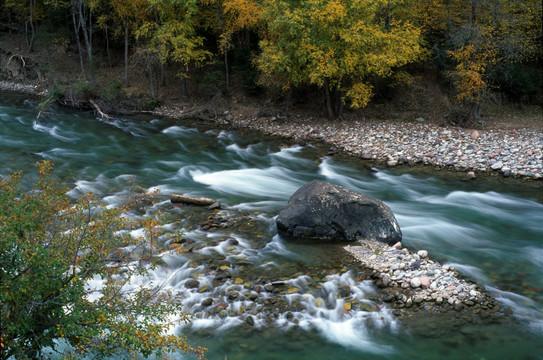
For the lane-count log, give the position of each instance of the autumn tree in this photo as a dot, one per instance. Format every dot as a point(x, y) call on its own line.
point(174, 36)
point(481, 38)
point(124, 17)
point(230, 17)
point(66, 277)
point(336, 45)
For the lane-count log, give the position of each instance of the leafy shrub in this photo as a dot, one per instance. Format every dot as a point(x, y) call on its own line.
point(47, 240)
point(83, 90)
point(518, 83)
point(113, 91)
point(243, 66)
point(147, 104)
point(212, 80)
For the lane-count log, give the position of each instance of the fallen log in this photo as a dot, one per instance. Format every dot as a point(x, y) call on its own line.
point(102, 114)
point(200, 201)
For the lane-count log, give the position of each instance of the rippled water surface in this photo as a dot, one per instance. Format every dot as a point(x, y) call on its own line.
point(490, 229)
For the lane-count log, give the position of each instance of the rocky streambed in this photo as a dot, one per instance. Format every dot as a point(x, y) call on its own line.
point(412, 281)
point(224, 279)
point(508, 152)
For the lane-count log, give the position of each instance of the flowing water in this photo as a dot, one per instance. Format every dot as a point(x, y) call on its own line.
point(490, 229)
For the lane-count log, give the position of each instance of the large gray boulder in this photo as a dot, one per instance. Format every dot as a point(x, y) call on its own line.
point(323, 211)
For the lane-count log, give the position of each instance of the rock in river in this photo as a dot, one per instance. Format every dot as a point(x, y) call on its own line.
point(323, 211)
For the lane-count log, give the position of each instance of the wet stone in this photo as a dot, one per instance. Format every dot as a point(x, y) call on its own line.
point(207, 302)
point(192, 284)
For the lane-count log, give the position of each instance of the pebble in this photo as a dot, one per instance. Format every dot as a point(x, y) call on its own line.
point(393, 144)
point(415, 282)
point(421, 281)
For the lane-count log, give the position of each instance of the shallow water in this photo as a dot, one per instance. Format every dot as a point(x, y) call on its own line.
point(490, 229)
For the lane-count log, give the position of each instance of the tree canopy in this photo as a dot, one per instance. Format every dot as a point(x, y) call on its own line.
point(341, 47)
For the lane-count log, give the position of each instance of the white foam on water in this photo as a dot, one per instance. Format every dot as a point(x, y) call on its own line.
point(83, 186)
point(260, 205)
point(244, 153)
point(288, 155)
point(273, 182)
point(427, 231)
point(471, 272)
point(53, 131)
point(275, 246)
point(334, 173)
point(226, 135)
point(351, 333)
point(93, 288)
point(180, 131)
point(534, 255)
point(526, 310)
point(13, 143)
point(489, 203)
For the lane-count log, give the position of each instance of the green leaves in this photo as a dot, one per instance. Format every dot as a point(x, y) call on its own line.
point(54, 253)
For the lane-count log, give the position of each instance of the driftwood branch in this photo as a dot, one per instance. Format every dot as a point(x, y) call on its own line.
point(200, 201)
point(17, 56)
point(99, 111)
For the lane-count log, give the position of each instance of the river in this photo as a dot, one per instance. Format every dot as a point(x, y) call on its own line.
point(490, 229)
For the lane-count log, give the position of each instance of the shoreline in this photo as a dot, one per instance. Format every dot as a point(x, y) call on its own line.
point(516, 153)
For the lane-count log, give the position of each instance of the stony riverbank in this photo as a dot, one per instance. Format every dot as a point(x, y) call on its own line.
point(511, 153)
point(411, 281)
point(14, 87)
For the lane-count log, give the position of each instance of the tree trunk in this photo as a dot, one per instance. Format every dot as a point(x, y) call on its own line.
point(473, 11)
point(162, 76)
point(329, 108)
point(32, 27)
point(151, 77)
point(475, 112)
point(200, 201)
point(126, 82)
point(79, 48)
point(289, 98)
point(107, 47)
point(227, 75)
point(184, 87)
point(87, 36)
point(18, 36)
point(338, 104)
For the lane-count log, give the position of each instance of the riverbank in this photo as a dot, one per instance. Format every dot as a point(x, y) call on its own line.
point(507, 152)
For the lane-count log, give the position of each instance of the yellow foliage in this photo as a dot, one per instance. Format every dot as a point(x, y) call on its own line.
point(360, 94)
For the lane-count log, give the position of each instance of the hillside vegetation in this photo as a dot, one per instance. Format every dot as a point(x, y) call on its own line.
point(452, 56)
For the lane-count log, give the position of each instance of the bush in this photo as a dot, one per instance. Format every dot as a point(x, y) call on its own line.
point(518, 83)
point(83, 90)
point(212, 80)
point(147, 104)
point(113, 91)
point(50, 248)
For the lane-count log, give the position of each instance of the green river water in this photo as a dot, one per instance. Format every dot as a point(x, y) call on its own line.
point(490, 229)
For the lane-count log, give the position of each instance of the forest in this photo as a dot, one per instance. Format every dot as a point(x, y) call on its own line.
point(347, 50)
